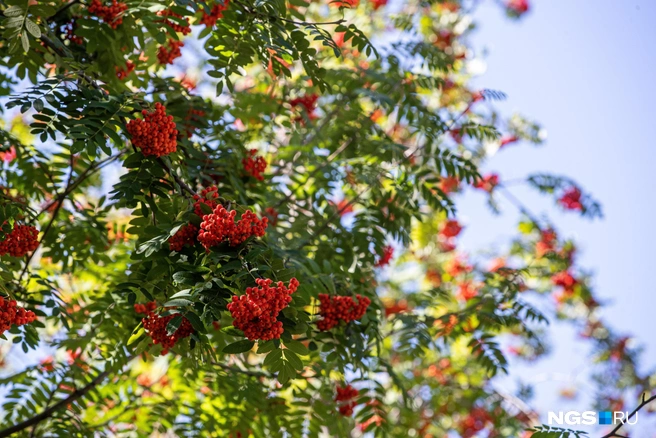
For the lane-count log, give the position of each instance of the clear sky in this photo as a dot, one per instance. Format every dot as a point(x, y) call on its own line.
point(584, 69)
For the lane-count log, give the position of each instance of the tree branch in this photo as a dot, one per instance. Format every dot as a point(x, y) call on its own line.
point(183, 185)
point(645, 402)
point(49, 412)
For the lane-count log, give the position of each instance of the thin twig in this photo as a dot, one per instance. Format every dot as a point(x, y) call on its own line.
point(645, 402)
point(177, 179)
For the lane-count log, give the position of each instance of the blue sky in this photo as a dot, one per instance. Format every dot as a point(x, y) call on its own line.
point(584, 70)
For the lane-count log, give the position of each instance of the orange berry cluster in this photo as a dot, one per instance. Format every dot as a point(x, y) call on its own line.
point(166, 55)
point(145, 308)
point(109, 14)
point(256, 312)
point(11, 314)
point(254, 166)
point(345, 399)
point(334, 308)
point(214, 15)
point(185, 236)
point(155, 134)
point(220, 226)
point(21, 240)
point(208, 197)
point(155, 326)
point(123, 73)
point(184, 29)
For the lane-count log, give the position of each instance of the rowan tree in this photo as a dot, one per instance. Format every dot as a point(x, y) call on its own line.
point(238, 218)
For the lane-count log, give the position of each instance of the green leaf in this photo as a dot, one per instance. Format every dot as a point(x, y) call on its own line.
point(231, 331)
point(33, 28)
point(14, 11)
point(136, 335)
point(174, 324)
point(297, 347)
point(238, 347)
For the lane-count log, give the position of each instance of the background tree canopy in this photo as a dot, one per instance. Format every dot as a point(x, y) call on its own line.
point(239, 219)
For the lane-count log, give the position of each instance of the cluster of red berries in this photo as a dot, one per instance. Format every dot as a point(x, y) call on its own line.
point(214, 15)
point(467, 291)
point(308, 102)
point(571, 199)
point(334, 308)
point(254, 165)
point(378, 4)
point(9, 155)
point(272, 215)
point(546, 244)
point(449, 184)
point(166, 55)
point(184, 29)
point(488, 183)
point(474, 422)
point(155, 134)
point(11, 314)
point(155, 326)
point(386, 257)
point(256, 312)
point(345, 399)
point(145, 308)
point(21, 240)
point(123, 73)
point(456, 267)
point(109, 14)
point(450, 228)
point(208, 196)
point(565, 280)
point(185, 236)
point(517, 7)
point(220, 226)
